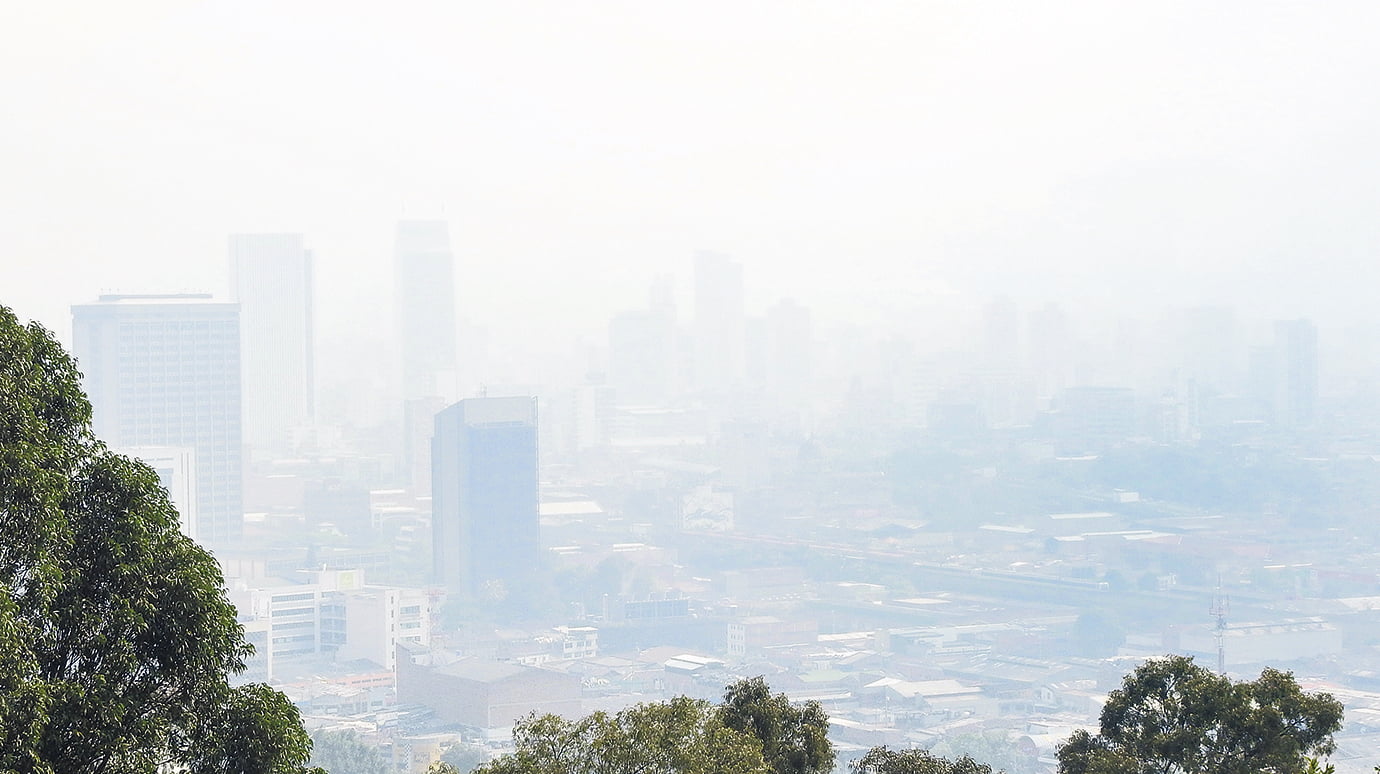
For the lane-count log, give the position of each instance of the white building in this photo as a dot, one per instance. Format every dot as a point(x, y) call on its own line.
point(271, 278)
point(336, 617)
point(164, 370)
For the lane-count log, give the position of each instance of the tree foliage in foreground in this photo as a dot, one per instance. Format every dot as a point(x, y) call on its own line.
point(680, 736)
point(795, 738)
point(883, 760)
point(1172, 716)
point(116, 637)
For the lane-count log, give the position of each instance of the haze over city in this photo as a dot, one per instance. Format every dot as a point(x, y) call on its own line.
point(940, 361)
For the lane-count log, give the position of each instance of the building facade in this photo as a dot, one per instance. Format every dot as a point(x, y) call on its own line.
point(484, 494)
point(271, 279)
point(164, 370)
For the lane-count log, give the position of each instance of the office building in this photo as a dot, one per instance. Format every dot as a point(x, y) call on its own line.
point(642, 357)
point(271, 279)
point(484, 495)
point(424, 278)
point(164, 370)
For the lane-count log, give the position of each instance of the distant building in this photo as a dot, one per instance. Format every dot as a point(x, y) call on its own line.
point(484, 494)
point(1093, 419)
point(271, 278)
point(485, 694)
point(164, 370)
point(424, 280)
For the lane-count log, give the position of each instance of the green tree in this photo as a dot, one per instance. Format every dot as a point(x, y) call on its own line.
point(465, 757)
point(883, 760)
point(344, 752)
point(116, 637)
point(1172, 716)
point(680, 736)
point(795, 739)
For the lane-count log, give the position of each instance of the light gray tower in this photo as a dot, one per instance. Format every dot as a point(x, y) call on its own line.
point(425, 304)
point(484, 494)
point(164, 370)
point(271, 278)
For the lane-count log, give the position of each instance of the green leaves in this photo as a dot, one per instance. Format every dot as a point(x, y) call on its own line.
point(680, 736)
point(881, 760)
point(1172, 716)
point(116, 638)
point(795, 739)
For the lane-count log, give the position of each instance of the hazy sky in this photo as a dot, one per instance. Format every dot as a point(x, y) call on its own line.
point(859, 156)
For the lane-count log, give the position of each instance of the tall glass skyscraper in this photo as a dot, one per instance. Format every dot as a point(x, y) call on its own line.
point(485, 532)
point(424, 278)
point(164, 370)
point(271, 278)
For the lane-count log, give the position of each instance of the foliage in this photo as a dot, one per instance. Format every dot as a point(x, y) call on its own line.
point(1172, 716)
point(680, 736)
point(883, 760)
point(992, 749)
point(795, 739)
point(344, 752)
point(465, 757)
point(116, 638)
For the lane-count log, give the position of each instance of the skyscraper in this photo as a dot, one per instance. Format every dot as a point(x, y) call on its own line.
point(484, 494)
point(164, 370)
point(271, 278)
point(425, 303)
point(719, 324)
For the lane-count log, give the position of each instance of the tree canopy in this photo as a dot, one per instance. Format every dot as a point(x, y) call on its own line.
point(795, 738)
point(1172, 716)
point(679, 736)
point(116, 638)
point(883, 760)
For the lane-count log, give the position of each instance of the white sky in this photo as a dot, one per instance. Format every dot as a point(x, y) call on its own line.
point(859, 156)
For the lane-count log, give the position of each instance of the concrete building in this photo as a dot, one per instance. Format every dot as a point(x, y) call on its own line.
point(484, 494)
point(484, 694)
point(164, 370)
point(271, 279)
point(424, 281)
point(642, 357)
point(336, 617)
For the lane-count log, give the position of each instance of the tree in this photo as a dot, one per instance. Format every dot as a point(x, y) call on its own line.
point(883, 760)
point(116, 637)
point(680, 736)
point(1172, 716)
point(344, 752)
point(465, 757)
point(795, 739)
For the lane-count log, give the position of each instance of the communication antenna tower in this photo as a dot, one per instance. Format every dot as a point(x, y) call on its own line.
point(1221, 605)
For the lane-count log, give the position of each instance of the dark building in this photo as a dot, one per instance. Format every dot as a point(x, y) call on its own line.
point(484, 493)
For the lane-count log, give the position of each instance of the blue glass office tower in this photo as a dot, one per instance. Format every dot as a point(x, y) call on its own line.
point(485, 535)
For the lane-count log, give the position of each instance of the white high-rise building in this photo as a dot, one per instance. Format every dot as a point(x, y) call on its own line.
point(425, 302)
point(271, 278)
point(164, 370)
